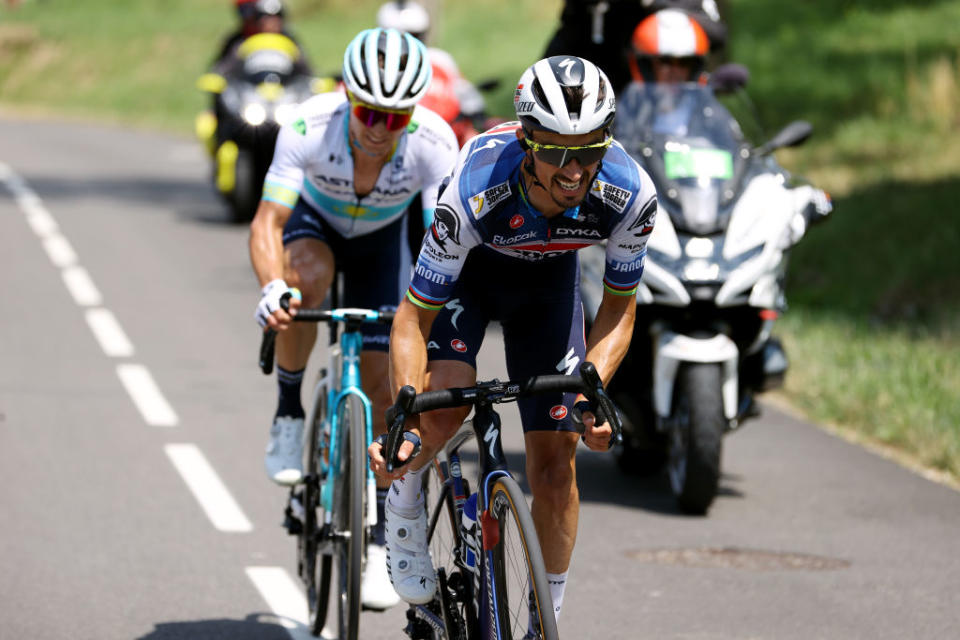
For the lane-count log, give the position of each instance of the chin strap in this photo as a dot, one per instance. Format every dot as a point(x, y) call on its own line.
point(528, 168)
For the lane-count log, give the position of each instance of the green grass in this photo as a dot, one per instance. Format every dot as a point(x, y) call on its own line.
point(873, 330)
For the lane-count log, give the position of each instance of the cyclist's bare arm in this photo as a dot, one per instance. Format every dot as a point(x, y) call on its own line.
point(408, 345)
point(606, 346)
point(408, 366)
point(266, 251)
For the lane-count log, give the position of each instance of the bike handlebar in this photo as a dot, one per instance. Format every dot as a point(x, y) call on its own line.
point(332, 316)
point(409, 402)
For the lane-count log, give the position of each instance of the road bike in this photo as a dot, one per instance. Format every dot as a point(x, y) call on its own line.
point(334, 508)
point(491, 580)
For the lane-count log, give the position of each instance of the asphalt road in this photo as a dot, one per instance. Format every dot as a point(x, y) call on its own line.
point(133, 502)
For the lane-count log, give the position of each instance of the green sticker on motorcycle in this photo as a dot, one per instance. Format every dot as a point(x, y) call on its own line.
point(698, 163)
point(300, 126)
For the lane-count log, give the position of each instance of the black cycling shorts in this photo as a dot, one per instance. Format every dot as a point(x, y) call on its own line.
point(375, 266)
point(538, 305)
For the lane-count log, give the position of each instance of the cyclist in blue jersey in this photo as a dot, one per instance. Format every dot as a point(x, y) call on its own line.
point(343, 175)
point(525, 196)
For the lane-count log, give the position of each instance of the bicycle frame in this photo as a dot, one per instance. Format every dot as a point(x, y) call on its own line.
point(486, 425)
point(345, 358)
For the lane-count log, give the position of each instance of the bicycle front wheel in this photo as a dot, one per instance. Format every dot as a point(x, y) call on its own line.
point(348, 515)
point(524, 607)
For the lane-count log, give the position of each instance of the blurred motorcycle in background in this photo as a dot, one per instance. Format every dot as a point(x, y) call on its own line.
point(713, 283)
point(252, 99)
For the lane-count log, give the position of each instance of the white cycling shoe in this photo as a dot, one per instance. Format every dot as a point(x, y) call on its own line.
point(376, 592)
point(408, 556)
point(284, 459)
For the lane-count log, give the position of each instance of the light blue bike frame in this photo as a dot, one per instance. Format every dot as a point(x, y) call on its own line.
point(351, 343)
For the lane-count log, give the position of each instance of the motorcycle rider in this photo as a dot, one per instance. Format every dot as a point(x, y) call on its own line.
point(601, 30)
point(256, 16)
point(342, 178)
point(523, 199)
point(450, 94)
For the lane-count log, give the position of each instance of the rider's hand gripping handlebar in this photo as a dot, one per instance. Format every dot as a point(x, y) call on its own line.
point(396, 416)
point(598, 399)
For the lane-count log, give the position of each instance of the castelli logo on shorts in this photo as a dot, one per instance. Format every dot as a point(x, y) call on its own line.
point(516, 221)
point(461, 346)
point(558, 412)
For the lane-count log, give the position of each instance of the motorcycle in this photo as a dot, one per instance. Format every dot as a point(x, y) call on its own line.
point(253, 97)
point(712, 286)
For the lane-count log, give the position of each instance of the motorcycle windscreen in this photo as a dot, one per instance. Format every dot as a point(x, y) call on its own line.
point(697, 176)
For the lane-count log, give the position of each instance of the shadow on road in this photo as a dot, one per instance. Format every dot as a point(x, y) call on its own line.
point(601, 481)
point(256, 626)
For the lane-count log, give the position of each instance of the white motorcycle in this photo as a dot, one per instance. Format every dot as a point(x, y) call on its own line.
point(712, 285)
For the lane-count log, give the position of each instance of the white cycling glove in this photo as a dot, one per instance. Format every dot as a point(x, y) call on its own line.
point(270, 299)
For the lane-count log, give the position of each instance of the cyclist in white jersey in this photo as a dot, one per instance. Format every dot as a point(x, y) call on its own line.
point(343, 175)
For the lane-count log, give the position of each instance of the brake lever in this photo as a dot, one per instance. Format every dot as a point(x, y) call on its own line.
point(395, 431)
point(595, 393)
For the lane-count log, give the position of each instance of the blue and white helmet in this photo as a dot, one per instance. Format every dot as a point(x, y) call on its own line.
point(566, 95)
point(386, 68)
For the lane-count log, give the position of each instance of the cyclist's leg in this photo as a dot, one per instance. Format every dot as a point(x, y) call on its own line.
point(451, 351)
point(545, 335)
point(308, 266)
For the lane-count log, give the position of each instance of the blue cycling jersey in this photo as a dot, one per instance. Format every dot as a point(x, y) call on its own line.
point(484, 206)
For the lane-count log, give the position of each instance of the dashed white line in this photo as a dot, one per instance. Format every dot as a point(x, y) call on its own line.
point(81, 287)
point(59, 250)
point(207, 488)
point(284, 598)
point(154, 408)
point(108, 333)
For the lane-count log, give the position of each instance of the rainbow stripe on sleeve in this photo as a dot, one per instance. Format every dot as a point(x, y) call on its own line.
point(424, 301)
point(621, 289)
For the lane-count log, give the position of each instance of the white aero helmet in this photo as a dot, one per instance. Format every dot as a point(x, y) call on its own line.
point(566, 95)
point(386, 68)
point(405, 16)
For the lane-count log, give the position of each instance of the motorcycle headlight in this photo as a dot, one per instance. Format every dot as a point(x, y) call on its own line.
point(701, 271)
point(254, 114)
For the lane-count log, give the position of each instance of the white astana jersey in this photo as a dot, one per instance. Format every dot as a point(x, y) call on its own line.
point(313, 160)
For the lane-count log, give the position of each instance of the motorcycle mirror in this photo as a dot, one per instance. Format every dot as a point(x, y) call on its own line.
point(792, 135)
point(729, 77)
point(489, 84)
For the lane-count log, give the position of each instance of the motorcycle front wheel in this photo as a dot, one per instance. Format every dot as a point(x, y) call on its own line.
point(696, 436)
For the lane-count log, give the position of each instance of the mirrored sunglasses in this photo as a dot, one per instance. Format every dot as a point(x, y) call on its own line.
point(559, 155)
point(370, 115)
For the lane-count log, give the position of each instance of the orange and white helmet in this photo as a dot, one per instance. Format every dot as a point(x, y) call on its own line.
point(670, 33)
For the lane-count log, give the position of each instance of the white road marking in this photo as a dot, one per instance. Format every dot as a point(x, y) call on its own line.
point(111, 337)
point(81, 287)
point(59, 250)
point(207, 488)
point(284, 598)
point(154, 408)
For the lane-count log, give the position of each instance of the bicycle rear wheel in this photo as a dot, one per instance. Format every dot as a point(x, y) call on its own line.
point(348, 515)
point(523, 602)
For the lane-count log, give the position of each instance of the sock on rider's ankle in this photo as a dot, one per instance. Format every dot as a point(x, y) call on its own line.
point(288, 403)
point(379, 532)
point(406, 496)
point(557, 582)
